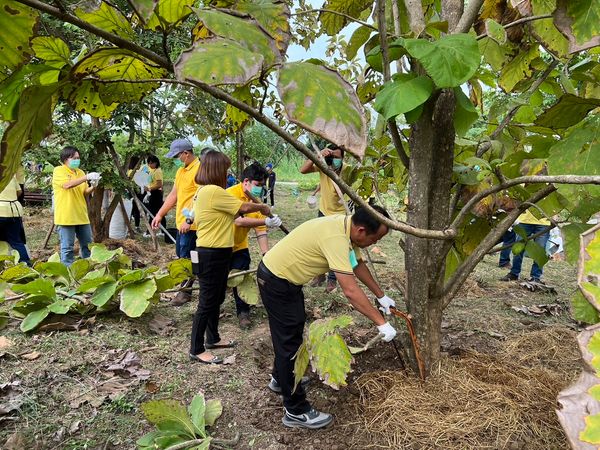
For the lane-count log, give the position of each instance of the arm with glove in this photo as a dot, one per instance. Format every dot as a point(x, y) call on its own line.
point(93, 178)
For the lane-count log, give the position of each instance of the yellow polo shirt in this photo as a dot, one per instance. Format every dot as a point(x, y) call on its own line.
point(312, 249)
point(70, 207)
point(156, 175)
point(9, 205)
point(530, 219)
point(240, 234)
point(329, 202)
point(186, 189)
point(214, 212)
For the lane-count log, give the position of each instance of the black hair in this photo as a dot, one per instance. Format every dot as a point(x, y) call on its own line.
point(361, 217)
point(153, 159)
point(335, 147)
point(67, 153)
point(133, 162)
point(255, 172)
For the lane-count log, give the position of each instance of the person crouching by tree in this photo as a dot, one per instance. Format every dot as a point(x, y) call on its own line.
point(330, 202)
point(253, 177)
point(181, 196)
point(70, 186)
point(331, 242)
point(214, 212)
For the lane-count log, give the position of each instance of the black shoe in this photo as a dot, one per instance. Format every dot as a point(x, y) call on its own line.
point(311, 419)
point(276, 387)
point(509, 277)
point(536, 280)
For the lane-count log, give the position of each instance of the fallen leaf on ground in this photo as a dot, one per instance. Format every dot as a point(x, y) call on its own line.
point(129, 366)
point(553, 309)
point(75, 427)
point(152, 387)
point(11, 397)
point(378, 251)
point(59, 322)
point(5, 343)
point(15, 442)
point(31, 356)
point(161, 325)
point(229, 360)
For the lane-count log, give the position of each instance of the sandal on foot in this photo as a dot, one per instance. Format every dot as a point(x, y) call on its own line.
point(213, 360)
point(229, 344)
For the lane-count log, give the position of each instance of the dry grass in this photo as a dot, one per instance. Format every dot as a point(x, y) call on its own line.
point(476, 401)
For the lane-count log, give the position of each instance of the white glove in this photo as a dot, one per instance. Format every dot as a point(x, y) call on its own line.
point(93, 176)
point(388, 331)
point(146, 198)
point(385, 303)
point(273, 222)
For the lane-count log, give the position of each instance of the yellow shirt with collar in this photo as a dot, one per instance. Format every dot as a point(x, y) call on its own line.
point(9, 205)
point(214, 212)
point(240, 234)
point(312, 249)
point(186, 187)
point(329, 201)
point(156, 175)
point(530, 219)
point(70, 207)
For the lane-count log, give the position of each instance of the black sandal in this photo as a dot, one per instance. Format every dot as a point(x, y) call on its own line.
point(229, 344)
point(213, 360)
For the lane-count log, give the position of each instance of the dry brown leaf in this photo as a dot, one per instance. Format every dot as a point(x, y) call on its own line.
point(229, 360)
point(15, 442)
point(152, 387)
point(31, 356)
point(161, 325)
point(5, 343)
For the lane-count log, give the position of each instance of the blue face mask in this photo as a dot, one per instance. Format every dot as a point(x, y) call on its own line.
point(256, 191)
point(178, 163)
point(353, 260)
point(336, 163)
point(74, 163)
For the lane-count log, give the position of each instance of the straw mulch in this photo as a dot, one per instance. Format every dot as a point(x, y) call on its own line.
point(477, 401)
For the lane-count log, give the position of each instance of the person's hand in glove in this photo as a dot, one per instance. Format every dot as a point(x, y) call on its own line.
point(146, 198)
point(273, 222)
point(385, 303)
point(93, 178)
point(388, 331)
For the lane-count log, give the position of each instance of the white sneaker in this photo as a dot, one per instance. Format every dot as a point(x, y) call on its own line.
point(312, 419)
point(146, 235)
point(160, 233)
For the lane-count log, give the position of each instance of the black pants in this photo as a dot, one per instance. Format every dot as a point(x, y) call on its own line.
point(156, 202)
point(240, 260)
point(272, 195)
point(213, 271)
point(135, 212)
point(11, 231)
point(284, 303)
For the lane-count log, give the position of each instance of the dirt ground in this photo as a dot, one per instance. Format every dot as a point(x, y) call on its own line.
point(71, 400)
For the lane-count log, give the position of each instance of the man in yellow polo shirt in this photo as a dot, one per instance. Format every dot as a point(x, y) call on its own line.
point(331, 242)
point(253, 180)
point(70, 187)
point(182, 196)
point(329, 201)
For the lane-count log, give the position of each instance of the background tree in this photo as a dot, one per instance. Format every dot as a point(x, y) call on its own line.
point(429, 69)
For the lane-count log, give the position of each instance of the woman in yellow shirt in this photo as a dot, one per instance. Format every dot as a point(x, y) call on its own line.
point(155, 188)
point(214, 213)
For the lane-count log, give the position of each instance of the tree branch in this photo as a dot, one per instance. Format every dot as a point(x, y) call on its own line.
point(460, 275)
point(416, 18)
point(535, 179)
point(117, 40)
point(518, 22)
point(331, 11)
point(468, 17)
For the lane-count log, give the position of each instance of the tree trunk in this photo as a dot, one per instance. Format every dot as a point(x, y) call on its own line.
point(432, 139)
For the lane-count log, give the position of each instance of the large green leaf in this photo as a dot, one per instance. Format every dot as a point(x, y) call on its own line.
point(18, 23)
point(402, 95)
point(80, 268)
point(13, 86)
point(518, 69)
point(551, 37)
point(135, 297)
point(171, 412)
point(465, 114)
point(197, 409)
point(180, 269)
point(93, 283)
point(169, 13)
point(107, 18)
point(235, 119)
point(41, 286)
point(536, 252)
point(312, 96)
point(53, 50)
point(218, 62)
point(121, 70)
point(571, 233)
point(104, 293)
point(274, 17)
point(568, 111)
point(301, 361)
point(331, 360)
point(246, 32)
point(143, 8)
point(586, 19)
point(61, 306)
point(33, 124)
point(54, 269)
point(29, 304)
point(33, 319)
point(248, 290)
point(357, 40)
point(449, 61)
point(212, 411)
point(18, 273)
point(333, 23)
point(85, 97)
point(100, 254)
point(583, 311)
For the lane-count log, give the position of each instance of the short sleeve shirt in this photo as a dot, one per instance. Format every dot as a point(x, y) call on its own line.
point(214, 212)
point(312, 249)
point(9, 205)
point(186, 187)
point(240, 234)
point(156, 176)
point(70, 207)
point(329, 202)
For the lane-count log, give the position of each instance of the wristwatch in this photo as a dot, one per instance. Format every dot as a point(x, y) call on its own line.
point(189, 221)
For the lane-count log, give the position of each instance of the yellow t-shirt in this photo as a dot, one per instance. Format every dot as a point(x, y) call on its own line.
point(186, 189)
point(312, 249)
point(329, 203)
point(214, 212)
point(240, 234)
point(529, 218)
point(9, 205)
point(70, 207)
point(20, 175)
point(155, 176)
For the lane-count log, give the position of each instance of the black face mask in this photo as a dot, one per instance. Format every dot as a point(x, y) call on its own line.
point(329, 160)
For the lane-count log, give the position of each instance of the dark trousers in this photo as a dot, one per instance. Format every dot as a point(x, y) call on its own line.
point(508, 239)
point(11, 231)
point(213, 270)
point(240, 260)
point(272, 195)
point(284, 303)
point(135, 212)
point(156, 202)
